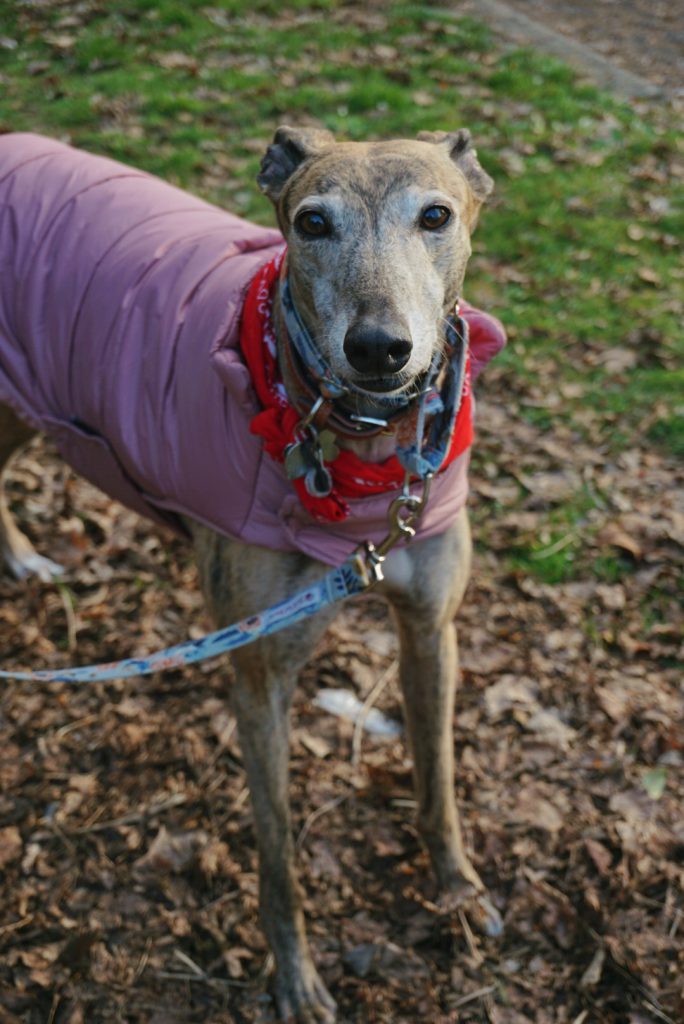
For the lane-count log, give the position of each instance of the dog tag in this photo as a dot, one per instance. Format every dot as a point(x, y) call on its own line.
point(299, 460)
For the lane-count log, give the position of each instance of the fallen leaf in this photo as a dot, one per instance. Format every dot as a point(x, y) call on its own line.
point(171, 852)
point(510, 692)
point(386, 960)
point(548, 725)
point(551, 487)
point(617, 537)
point(506, 492)
point(314, 744)
point(615, 703)
point(11, 845)
point(602, 858)
point(532, 808)
point(592, 975)
point(60, 41)
point(654, 782)
point(171, 60)
point(618, 359)
point(214, 856)
point(633, 805)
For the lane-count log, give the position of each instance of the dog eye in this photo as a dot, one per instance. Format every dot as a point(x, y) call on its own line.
point(312, 223)
point(434, 217)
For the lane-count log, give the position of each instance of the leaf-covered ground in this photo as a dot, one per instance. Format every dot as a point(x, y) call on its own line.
point(126, 851)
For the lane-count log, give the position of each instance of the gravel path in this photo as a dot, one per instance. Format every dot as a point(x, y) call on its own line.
point(643, 38)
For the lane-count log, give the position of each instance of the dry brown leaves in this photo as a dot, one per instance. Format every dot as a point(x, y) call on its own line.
point(128, 868)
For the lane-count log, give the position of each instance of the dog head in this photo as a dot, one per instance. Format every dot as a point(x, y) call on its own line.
point(378, 239)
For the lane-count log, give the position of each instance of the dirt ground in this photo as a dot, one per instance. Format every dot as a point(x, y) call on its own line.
point(128, 868)
point(129, 885)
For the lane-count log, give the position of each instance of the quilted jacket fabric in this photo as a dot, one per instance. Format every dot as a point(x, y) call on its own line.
point(120, 300)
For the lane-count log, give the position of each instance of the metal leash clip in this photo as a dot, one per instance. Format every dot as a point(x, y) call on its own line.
point(368, 558)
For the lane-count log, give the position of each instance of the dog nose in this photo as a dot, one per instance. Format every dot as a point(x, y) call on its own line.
point(372, 350)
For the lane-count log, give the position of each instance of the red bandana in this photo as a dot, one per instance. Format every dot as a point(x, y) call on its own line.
point(352, 477)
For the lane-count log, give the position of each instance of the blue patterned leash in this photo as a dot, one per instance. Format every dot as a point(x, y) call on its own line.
point(357, 574)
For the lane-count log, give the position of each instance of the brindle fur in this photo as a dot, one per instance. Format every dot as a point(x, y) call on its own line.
point(16, 550)
point(378, 266)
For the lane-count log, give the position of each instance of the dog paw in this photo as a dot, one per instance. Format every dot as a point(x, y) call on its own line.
point(478, 908)
point(304, 999)
point(485, 917)
point(30, 563)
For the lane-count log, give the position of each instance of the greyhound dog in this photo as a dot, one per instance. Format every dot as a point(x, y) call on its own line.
point(378, 238)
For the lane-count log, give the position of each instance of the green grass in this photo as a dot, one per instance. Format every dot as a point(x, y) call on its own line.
point(580, 254)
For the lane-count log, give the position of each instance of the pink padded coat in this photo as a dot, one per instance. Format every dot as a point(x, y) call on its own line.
point(120, 300)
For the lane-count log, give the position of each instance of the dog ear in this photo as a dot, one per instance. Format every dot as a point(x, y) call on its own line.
point(290, 148)
point(464, 155)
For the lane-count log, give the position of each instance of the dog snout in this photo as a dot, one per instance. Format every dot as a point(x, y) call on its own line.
point(376, 351)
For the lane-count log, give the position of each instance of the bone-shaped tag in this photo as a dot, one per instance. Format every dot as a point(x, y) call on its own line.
point(300, 458)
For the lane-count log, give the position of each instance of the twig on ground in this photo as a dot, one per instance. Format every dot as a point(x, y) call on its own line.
point(66, 729)
point(68, 605)
point(203, 978)
point(367, 705)
point(61, 834)
point(676, 921)
point(267, 968)
point(647, 998)
point(553, 549)
point(14, 926)
point(472, 996)
point(318, 813)
point(470, 939)
point(185, 959)
point(220, 747)
point(652, 1008)
point(175, 800)
point(56, 999)
point(143, 961)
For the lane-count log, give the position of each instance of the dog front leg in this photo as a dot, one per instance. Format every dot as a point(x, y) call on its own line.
point(429, 667)
point(262, 705)
point(239, 580)
point(428, 677)
point(425, 599)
